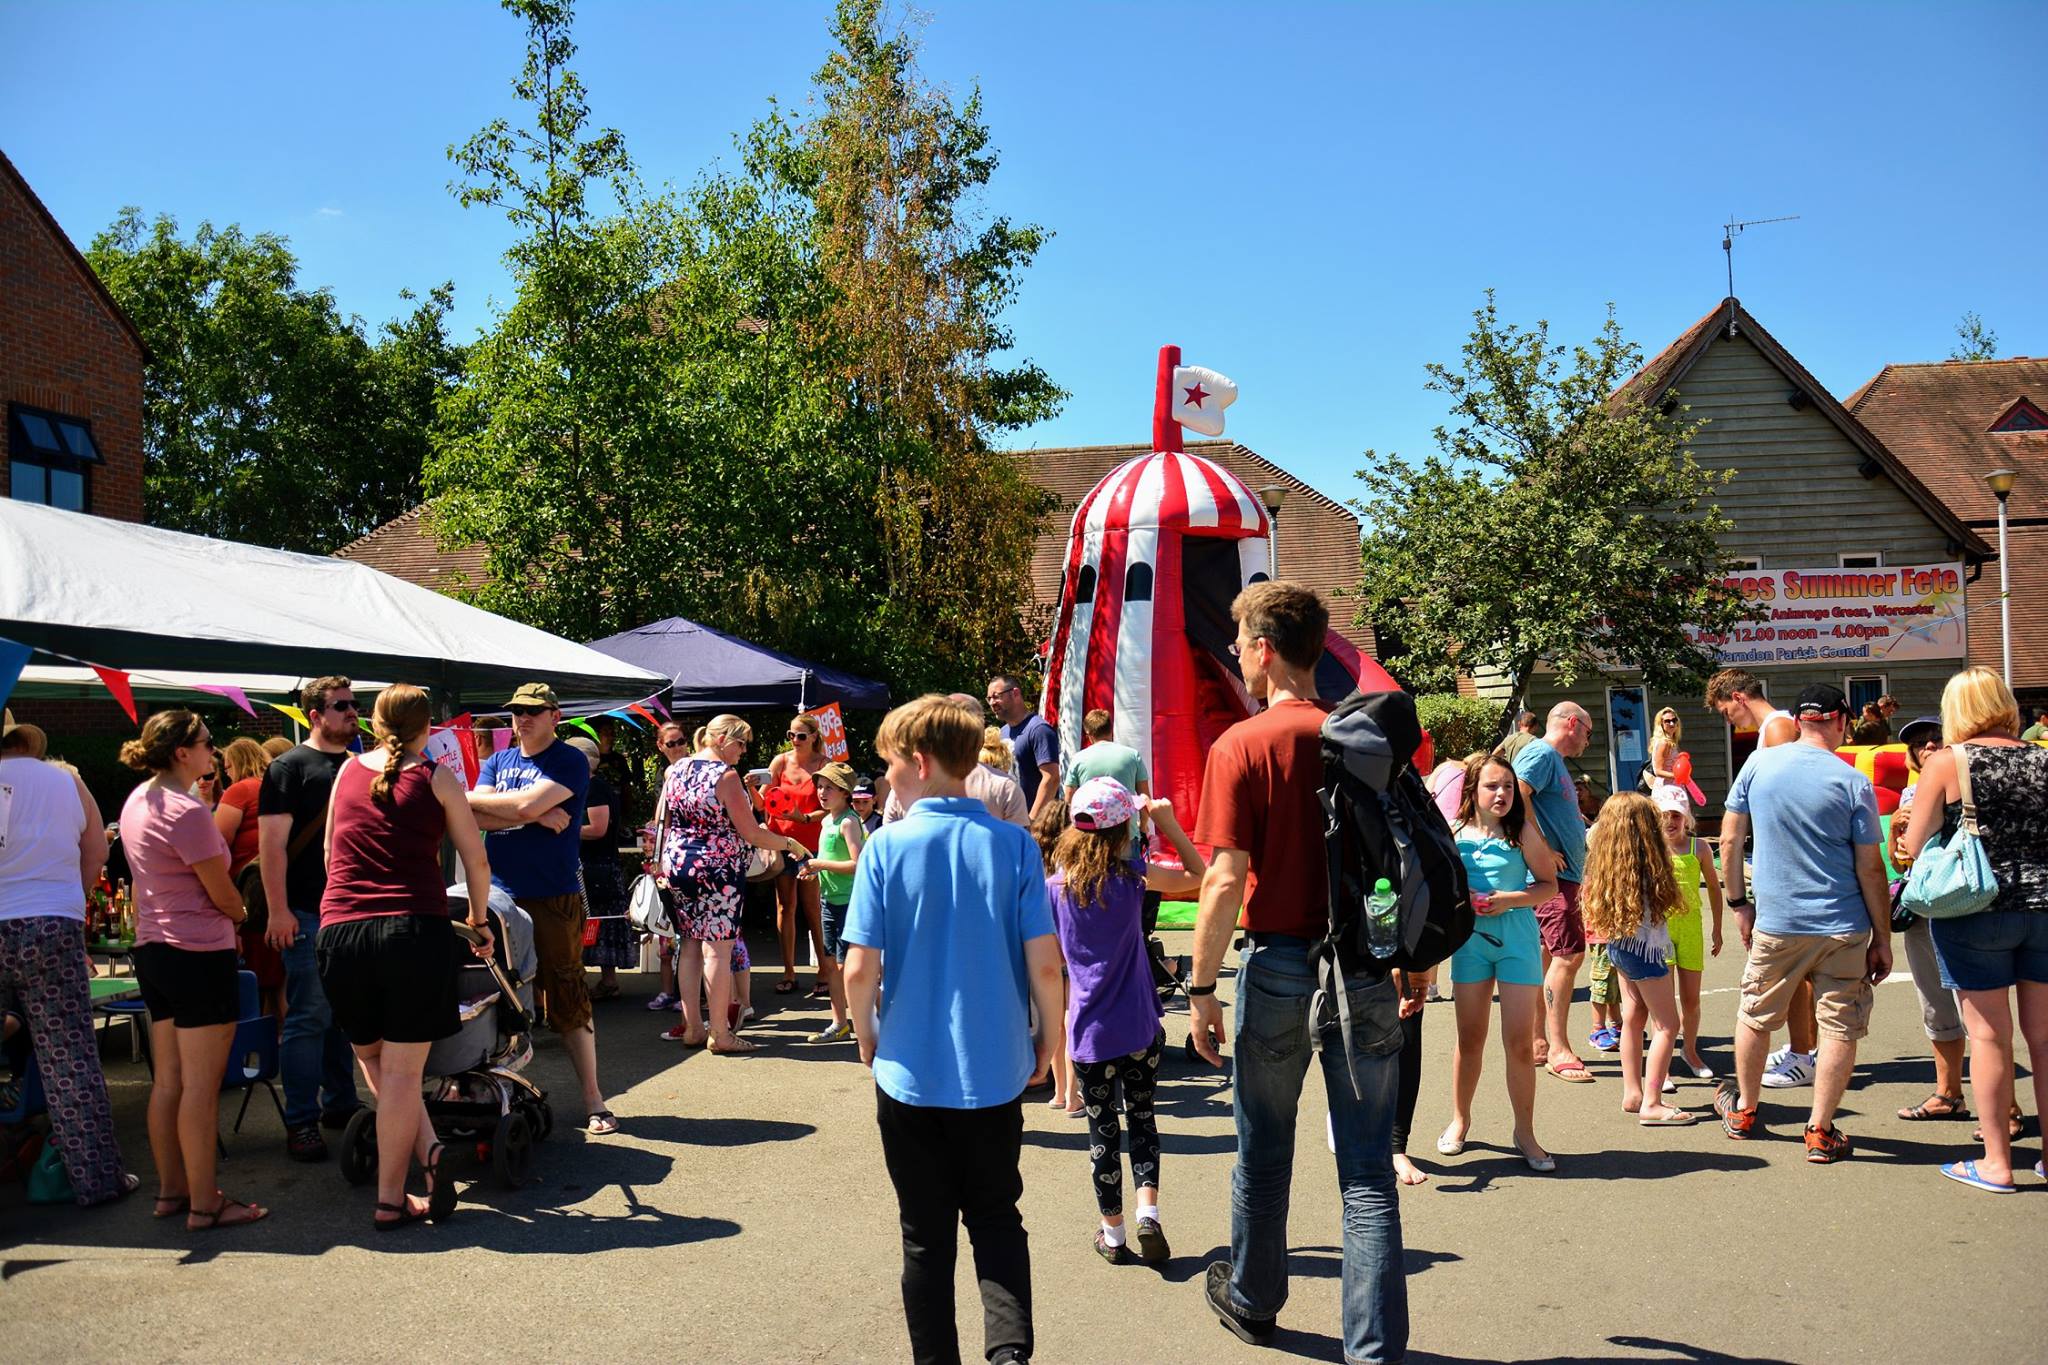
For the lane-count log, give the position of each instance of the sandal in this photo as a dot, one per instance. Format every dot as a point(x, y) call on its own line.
point(406, 1214)
point(740, 1047)
point(1573, 1071)
point(1937, 1106)
point(601, 992)
point(170, 1206)
point(2012, 1126)
point(601, 1123)
point(216, 1216)
point(1965, 1172)
point(786, 987)
point(441, 1190)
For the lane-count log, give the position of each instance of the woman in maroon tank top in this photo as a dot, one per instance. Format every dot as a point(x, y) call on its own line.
point(387, 946)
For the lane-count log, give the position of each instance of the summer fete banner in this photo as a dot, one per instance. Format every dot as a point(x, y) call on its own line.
point(831, 731)
point(1888, 615)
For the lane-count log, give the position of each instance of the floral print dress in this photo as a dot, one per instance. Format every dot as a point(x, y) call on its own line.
point(702, 855)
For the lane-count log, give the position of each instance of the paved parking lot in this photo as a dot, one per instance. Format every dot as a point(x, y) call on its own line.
point(742, 1214)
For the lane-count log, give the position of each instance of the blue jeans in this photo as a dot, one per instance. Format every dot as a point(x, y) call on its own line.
point(1274, 987)
point(313, 1057)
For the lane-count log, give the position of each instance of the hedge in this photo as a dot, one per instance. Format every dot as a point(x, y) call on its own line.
point(1458, 725)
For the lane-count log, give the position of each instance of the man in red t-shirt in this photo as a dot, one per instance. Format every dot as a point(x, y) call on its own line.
point(1261, 813)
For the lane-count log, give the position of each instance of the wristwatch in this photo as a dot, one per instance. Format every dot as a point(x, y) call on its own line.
point(1738, 902)
point(1209, 989)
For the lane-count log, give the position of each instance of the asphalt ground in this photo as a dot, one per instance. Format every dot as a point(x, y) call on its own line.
point(742, 1213)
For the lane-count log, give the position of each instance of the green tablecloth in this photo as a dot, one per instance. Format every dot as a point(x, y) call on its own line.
point(106, 988)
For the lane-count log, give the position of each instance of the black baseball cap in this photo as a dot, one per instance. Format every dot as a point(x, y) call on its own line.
point(1920, 730)
point(1821, 699)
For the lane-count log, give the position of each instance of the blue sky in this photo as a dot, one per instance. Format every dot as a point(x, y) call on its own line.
point(1309, 198)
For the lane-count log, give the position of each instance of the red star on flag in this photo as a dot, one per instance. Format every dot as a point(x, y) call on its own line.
point(1196, 395)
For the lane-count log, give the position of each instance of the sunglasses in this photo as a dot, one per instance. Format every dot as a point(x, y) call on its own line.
point(528, 710)
point(799, 734)
point(203, 742)
point(338, 706)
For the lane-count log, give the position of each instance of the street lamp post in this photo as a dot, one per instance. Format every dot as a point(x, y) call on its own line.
point(1273, 494)
point(2000, 482)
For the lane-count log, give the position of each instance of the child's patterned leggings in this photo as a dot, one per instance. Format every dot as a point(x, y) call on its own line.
point(1138, 1074)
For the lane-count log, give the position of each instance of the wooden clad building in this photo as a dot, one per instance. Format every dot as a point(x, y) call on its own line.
point(1813, 492)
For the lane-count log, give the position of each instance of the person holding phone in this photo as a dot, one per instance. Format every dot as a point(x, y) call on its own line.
point(793, 772)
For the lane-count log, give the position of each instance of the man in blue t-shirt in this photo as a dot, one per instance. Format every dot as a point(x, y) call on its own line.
point(1822, 913)
point(1550, 794)
point(949, 926)
point(1035, 744)
point(529, 801)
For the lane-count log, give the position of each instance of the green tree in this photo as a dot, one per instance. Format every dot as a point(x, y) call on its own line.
point(1557, 521)
point(1974, 341)
point(268, 416)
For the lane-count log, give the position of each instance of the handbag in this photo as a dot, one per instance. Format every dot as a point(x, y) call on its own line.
point(764, 865)
point(48, 1181)
point(647, 908)
point(255, 905)
point(1953, 878)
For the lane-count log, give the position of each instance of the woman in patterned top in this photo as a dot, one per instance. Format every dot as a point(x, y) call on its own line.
point(703, 827)
point(2003, 948)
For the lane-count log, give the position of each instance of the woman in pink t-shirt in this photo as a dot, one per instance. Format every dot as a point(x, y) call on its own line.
point(186, 909)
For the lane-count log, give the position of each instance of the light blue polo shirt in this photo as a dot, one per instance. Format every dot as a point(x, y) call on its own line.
point(1809, 811)
point(1556, 799)
point(950, 895)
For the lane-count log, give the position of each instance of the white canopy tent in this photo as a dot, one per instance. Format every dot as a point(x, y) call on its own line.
point(76, 587)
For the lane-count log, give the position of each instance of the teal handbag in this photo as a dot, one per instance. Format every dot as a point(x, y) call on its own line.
point(1953, 879)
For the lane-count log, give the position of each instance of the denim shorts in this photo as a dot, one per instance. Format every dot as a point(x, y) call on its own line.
point(832, 919)
point(1634, 965)
point(1992, 949)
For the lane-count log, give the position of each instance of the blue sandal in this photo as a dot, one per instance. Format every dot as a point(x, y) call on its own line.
point(1604, 1039)
point(1965, 1173)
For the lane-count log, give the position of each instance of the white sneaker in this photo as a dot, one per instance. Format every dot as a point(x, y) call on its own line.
point(1795, 1070)
point(1777, 1059)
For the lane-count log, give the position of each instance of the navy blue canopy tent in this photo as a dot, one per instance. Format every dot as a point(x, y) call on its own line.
point(713, 671)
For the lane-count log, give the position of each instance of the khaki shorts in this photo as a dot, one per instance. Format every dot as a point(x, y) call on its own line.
point(1833, 962)
point(558, 943)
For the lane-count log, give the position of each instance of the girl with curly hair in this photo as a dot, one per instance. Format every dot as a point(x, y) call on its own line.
point(1629, 894)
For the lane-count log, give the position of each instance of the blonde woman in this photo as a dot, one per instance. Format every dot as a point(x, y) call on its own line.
point(2002, 950)
point(794, 772)
point(387, 946)
point(1665, 732)
point(995, 751)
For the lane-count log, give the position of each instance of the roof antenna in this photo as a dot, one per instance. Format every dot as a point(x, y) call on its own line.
point(1729, 231)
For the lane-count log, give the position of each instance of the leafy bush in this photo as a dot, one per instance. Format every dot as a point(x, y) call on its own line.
point(1458, 725)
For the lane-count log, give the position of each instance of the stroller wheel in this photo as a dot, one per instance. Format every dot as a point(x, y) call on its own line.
point(358, 1157)
point(512, 1149)
point(541, 1119)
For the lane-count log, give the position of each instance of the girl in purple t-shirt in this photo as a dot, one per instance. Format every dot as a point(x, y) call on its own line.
point(1097, 892)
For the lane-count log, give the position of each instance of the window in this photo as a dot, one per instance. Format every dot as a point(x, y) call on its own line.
point(1872, 559)
point(1138, 583)
point(2021, 416)
point(1862, 691)
point(1745, 563)
point(49, 458)
point(1084, 589)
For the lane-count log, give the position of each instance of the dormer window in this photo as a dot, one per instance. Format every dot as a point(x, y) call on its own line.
point(2023, 415)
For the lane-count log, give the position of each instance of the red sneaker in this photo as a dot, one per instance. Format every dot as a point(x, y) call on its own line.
point(1739, 1124)
point(1826, 1147)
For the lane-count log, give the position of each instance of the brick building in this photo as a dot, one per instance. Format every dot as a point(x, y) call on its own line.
point(70, 369)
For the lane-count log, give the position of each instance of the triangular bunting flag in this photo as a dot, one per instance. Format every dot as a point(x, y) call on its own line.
point(13, 658)
point(231, 692)
point(655, 702)
point(292, 711)
point(583, 725)
point(117, 683)
point(621, 715)
point(638, 709)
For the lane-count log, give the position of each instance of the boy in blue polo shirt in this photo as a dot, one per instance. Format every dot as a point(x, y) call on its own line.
point(949, 927)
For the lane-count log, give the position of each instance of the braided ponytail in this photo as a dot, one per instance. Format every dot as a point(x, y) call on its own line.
point(401, 717)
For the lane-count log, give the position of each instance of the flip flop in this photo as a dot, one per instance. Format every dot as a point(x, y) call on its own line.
point(785, 988)
point(600, 1123)
point(1677, 1118)
point(1965, 1173)
point(1575, 1072)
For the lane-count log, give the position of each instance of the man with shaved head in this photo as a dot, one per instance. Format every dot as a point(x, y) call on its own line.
point(1548, 791)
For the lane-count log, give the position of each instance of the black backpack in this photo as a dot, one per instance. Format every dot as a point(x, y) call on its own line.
point(1379, 821)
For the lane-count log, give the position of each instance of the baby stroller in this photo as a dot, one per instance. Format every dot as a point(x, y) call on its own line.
point(473, 1082)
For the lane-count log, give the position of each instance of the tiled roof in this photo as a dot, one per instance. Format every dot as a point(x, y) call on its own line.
point(2028, 546)
point(1938, 419)
point(1318, 540)
point(1659, 373)
point(405, 547)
